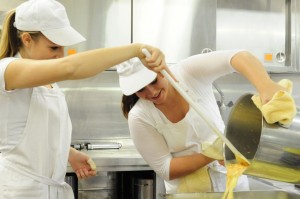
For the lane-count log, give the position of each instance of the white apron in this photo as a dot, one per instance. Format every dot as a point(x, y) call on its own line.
point(213, 179)
point(175, 137)
point(35, 169)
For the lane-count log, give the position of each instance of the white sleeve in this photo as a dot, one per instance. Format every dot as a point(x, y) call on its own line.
point(3, 65)
point(151, 145)
point(209, 66)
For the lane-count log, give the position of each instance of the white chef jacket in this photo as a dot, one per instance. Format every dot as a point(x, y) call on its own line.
point(35, 137)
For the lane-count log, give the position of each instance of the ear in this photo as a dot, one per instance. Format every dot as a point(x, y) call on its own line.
point(26, 39)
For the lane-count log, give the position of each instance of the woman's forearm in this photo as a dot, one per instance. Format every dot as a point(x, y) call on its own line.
point(72, 153)
point(90, 63)
point(19, 73)
point(182, 166)
point(252, 69)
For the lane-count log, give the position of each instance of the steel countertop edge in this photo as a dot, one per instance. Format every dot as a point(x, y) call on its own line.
point(126, 158)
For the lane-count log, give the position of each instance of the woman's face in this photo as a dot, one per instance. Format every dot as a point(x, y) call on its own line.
point(42, 48)
point(156, 91)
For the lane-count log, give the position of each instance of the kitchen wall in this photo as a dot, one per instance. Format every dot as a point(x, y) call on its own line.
point(180, 29)
point(95, 103)
point(104, 23)
point(256, 25)
point(95, 107)
point(268, 28)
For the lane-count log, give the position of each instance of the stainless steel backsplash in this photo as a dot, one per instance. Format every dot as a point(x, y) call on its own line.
point(269, 29)
point(95, 103)
point(95, 107)
point(180, 29)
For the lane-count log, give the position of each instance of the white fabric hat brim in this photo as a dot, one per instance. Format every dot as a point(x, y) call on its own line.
point(133, 83)
point(64, 36)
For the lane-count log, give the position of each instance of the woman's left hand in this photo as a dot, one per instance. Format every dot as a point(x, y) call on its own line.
point(82, 164)
point(267, 94)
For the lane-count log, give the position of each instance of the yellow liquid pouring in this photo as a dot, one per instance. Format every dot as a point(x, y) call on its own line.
point(234, 171)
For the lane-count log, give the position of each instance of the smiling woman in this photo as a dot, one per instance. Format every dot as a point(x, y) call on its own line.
point(170, 135)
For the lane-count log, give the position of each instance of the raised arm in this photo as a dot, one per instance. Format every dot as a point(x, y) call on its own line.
point(23, 73)
point(252, 69)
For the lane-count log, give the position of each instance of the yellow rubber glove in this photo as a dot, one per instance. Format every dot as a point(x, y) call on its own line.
point(281, 108)
point(199, 181)
point(214, 150)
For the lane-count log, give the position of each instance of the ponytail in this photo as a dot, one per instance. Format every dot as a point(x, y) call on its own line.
point(10, 41)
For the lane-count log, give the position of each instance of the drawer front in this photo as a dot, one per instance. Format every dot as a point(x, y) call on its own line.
point(96, 194)
point(103, 180)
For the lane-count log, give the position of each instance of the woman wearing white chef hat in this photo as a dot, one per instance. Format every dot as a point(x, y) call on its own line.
point(35, 127)
point(171, 137)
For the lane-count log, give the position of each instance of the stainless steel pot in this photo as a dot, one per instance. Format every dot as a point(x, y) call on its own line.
point(272, 150)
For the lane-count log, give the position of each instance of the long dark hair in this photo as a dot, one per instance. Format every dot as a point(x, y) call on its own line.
point(127, 103)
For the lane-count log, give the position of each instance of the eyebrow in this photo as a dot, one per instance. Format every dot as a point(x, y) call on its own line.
point(153, 82)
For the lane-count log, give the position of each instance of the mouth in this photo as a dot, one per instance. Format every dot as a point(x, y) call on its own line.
point(156, 96)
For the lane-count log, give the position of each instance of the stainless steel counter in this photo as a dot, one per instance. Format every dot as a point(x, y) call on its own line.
point(124, 159)
point(128, 159)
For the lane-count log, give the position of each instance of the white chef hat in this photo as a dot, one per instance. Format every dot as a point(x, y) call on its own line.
point(48, 17)
point(133, 76)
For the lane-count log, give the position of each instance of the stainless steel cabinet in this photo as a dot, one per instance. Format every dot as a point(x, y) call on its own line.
point(179, 28)
point(260, 26)
point(104, 23)
point(182, 28)
point(102, 186)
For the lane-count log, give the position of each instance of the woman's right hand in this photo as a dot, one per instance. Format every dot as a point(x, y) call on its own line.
point(156, 61)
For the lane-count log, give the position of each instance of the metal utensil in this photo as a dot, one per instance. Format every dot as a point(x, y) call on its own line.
point(239, 157)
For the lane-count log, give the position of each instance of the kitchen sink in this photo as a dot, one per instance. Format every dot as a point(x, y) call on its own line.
point(264, 194)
